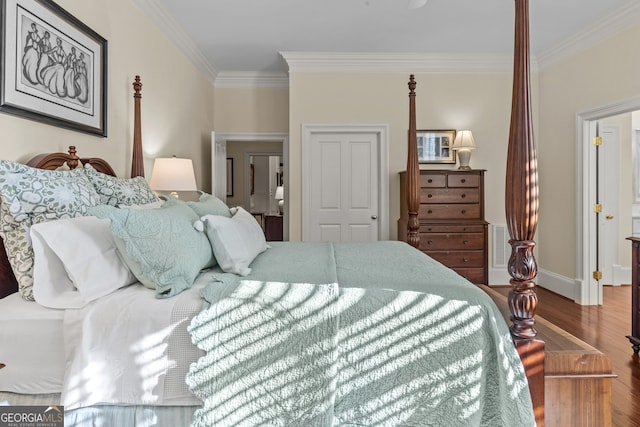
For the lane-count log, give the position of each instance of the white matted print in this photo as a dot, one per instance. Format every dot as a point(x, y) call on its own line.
point(54, 67)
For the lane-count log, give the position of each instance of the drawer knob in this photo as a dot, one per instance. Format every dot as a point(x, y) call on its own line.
point(463, 180)
point(429, 195)
point(429, 180)
point(465, 259)
point(465, 242)
point(429, 242)
point(429, 211)
point(464, 211)
point(463, 195)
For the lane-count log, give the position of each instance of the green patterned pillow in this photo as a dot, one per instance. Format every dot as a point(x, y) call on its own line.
point(160, 246)
point(116, 191)
point(31, 196)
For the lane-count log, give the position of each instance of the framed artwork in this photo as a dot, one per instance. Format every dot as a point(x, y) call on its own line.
point(260, 218)
point(229, 176)
point(434, 146)
point(53, 67)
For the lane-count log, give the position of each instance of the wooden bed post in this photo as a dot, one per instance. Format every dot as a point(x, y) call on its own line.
point(413, 172)
point(137, 162)
point(521, 204)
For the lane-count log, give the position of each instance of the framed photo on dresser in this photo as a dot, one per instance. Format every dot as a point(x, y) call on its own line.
point(434, 146)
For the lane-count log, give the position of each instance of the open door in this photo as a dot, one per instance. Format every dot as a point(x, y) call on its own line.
point(604, 225)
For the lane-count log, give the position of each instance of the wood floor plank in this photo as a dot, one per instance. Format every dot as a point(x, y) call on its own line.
point(604, 327)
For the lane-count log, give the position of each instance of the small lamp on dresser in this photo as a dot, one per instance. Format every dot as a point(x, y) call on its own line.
point(463, 144)
point(279, 196)
point(172, 175)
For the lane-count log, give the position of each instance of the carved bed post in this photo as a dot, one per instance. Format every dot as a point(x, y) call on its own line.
point(413, 172)
point(137, 161)
point(521, 204)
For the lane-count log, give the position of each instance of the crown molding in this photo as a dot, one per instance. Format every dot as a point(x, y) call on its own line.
point(161, 17)
point(250, 79)
point(615, 22)
point(389, 62)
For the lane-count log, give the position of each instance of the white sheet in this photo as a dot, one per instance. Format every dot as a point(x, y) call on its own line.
point(31, 347)
point(144, 365)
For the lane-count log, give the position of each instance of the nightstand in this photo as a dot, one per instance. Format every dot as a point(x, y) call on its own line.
point(273, 228)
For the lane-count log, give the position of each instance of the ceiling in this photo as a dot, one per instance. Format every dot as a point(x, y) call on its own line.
point(248, 35)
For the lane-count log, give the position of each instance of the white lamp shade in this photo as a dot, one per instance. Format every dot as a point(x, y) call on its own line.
point(173, 174)
point(464, 139)
point(279, 193)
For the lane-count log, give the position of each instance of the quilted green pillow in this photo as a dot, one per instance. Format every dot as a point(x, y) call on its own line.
point(31, 196)
point(160, 246)
point(116, 191)
point(209, 205)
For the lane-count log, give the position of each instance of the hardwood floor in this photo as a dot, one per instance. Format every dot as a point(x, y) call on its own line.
point(604, 327)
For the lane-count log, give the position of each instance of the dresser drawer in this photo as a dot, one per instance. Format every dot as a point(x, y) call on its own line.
point(463, 180)
point(462, 259)
point(474, 275)
point(451, 241)
point(471, 228)
point(429, 211)
point(428, 180)
point(450, 195)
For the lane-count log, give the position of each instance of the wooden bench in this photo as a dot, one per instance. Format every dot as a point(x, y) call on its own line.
point(578, 376)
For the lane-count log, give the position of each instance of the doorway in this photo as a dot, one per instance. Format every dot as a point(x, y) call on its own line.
point(610, 252)
point(224, 189)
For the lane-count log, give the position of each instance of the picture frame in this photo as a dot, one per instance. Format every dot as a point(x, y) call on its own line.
point(229, 176)
point(260, 218)
point(434, 146)
point(53, 67)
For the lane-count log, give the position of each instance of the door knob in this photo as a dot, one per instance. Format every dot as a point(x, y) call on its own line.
point(374, 216)
point(609, 217)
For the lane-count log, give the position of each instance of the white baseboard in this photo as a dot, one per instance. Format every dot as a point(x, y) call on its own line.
point(554, 282)
point(621, 275)
point(562, 285)
point(498, 276)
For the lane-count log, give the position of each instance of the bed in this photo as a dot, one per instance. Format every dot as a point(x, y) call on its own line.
point(337, 334)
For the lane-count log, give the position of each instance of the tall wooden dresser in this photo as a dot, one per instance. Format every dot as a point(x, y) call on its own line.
point(453, 230)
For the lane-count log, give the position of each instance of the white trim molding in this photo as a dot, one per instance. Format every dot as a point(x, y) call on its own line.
point(165, 22)
point(391, 62)
point(561, 285)
point(251, 79)
point(618, 20)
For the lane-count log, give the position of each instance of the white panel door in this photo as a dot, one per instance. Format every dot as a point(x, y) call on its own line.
point(343, 187)
point(608, 178)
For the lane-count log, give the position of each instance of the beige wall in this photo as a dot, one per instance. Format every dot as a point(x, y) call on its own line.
point(480, 102)
point(177, 101)
point(601, 75)
point(259, 110)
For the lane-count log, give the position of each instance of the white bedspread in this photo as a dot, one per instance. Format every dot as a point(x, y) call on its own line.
point(139, 356)
point(27, 332)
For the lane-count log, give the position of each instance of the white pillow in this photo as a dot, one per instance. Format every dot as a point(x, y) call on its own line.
point(235, 241)
point(76, 261)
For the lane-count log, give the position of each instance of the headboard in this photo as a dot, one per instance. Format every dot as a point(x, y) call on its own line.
point(52, 161)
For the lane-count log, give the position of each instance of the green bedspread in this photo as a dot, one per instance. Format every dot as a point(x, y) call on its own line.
point(354, 334)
